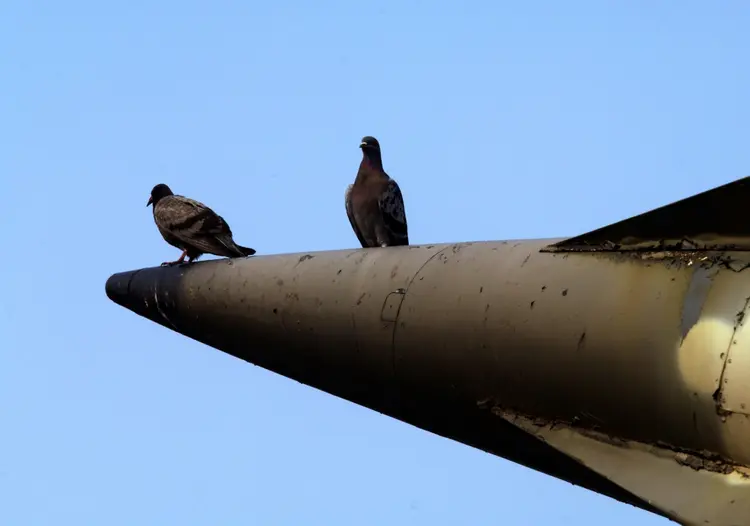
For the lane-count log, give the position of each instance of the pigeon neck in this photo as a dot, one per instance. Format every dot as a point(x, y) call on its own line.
point(372, 160)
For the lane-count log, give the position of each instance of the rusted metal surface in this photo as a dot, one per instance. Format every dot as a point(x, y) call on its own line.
point(464, 339)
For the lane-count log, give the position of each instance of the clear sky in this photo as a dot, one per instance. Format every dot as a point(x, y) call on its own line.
point(499, 120)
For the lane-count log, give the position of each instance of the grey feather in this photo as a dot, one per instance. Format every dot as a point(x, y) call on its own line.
point(391, 203)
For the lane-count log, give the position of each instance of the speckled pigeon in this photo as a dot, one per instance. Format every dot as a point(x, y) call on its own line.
point(192, 227)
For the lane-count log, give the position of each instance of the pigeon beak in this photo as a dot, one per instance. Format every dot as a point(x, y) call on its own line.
point(362, 144)
point(150, 200)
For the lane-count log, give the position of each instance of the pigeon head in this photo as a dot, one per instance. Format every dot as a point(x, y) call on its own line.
point(371, 152)
point(369, 144)
point(157, 193)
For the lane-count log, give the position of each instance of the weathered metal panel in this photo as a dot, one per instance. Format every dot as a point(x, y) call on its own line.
point(734, 394)
point(592, 339)
point(696, 491)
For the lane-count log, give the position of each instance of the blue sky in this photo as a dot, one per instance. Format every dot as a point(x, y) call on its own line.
point(499, 120)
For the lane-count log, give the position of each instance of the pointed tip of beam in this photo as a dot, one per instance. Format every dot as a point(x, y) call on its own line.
point(117, 287)
point(128, 289)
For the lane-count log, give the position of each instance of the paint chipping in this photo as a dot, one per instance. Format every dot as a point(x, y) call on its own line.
point(581, 341)
point(162, 313)
point(718, 395)
point(695, 459)
point(699, 464)
point(605, 438)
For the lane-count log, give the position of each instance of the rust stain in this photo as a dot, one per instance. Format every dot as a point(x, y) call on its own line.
point(697, 463)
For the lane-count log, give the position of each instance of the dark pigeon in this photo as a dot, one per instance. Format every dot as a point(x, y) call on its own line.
point(374, 202)
point(192, 227)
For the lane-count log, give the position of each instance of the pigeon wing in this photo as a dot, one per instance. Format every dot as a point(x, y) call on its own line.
point(393, 212)
point(350, 215)
point(191, 222)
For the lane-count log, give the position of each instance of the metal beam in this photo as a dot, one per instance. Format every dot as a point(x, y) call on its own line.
point(622, 372)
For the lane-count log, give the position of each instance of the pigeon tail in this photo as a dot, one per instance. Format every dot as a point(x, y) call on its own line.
point(245, 250)
point(232, 249)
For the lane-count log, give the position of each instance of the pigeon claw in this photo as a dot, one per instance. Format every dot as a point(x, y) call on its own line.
point(179, 261)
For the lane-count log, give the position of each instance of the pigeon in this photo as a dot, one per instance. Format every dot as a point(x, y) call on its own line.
point(374, 203)
point(192, 227)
